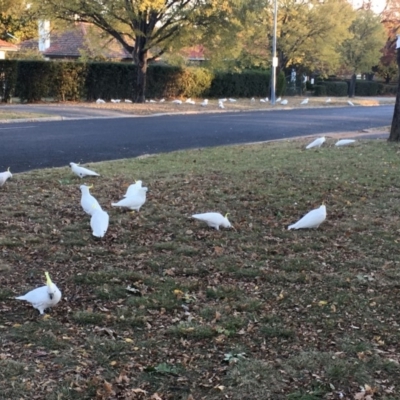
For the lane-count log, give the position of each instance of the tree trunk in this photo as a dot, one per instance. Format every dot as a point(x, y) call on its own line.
point(395, 128)
point(352, 87)
point(141, 77)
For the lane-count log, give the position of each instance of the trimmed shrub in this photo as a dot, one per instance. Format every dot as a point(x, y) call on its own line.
point(34, 80)
point(384, 89)
point(8, 79)
point(319, 90)
point(366, 88)
point(163, 81)
point(69, 81)
point(335, 88)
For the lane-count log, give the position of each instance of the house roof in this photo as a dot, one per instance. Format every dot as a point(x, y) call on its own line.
point(72, 42)
point(6, 46)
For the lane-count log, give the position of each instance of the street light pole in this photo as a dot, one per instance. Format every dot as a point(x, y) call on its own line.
point(274, 57)
point(395, 128)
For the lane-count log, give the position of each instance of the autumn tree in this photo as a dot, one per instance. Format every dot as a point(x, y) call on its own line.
point(361, 51)
point(18, 21)
point(145, 28)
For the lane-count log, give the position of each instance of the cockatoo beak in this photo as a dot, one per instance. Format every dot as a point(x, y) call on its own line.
point(91, 186)
point(8, 169)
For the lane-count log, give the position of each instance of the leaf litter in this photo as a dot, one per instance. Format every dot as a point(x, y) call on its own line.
point(165, 308)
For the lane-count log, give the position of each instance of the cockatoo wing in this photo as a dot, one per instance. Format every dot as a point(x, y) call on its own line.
point(99, 223)
point(316, 143)
point(133, 202)
point(344, 142)
point(312, 219)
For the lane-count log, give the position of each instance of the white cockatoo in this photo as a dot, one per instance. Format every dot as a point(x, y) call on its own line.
point(223, 100)
point(262, 101)
point(328, 100)
point(132, 189)
point(312, 219)
point(266, 99)
point(4, 176)
point(115, 101)
point(128, 101)
point(99, 223)
point(88, 202)
point(344, 142)
point(284, 102)
point(278, 100)
point(100, 101)
point(162, 100)
point(43, 297)
point(232, 100)
point(133, 202)
point(350, 103)
point(316, 143)
point(176, 101)
point(220, 104)
point(204, 103)
point(213, 220)
point(81, 171)
point(305, 101)
point(252, 100)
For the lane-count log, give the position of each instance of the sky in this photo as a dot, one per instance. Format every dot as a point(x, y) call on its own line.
point(377, 5)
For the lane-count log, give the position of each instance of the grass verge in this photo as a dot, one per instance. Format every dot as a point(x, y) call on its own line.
point(164, 306)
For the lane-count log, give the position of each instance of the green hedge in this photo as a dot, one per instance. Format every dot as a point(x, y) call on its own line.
point(366, 88)
point(319, 90)
point(35, 80)
point(384, 89)
point(335, 88)
point(8, 79)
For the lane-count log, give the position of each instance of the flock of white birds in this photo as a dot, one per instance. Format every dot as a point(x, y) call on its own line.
point(48, 296)
point(221, 102)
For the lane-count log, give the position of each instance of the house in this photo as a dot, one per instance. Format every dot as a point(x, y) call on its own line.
point(79, 41)
point(6, 47)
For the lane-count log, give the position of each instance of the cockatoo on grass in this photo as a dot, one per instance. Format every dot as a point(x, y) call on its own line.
point(132, 189)
point(99, 223)
point(252, 100)
point(162, 100)
point(43, 297)
point(284, 102)
point(350, 103)
point(81, 171)
point(232, 100)
point(213, 220)
point(305, 101)
point(88, 202)
point(115, 101)
point(204, 103)
point(133, 202)
point(262, 101)
point(316, 143)
point(313, 219)
point(100, 101)
point(128, 101)
point(344, 142)
point(176, 101)
point(220, 104)
point(328, 100)
point(278, 100)
point(4, 176)
point(223, 100)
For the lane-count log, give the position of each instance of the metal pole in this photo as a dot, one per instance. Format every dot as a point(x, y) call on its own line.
point(274, 58)
point(394, 135)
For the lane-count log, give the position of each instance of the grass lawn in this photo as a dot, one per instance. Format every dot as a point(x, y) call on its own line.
point(166, 308)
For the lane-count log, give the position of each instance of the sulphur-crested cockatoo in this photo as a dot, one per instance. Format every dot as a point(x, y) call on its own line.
point(328, 100)
point(99, 223)
point(133, 202)
point(232, 100)
point(43, 297)
point(176, 101)
point(284, 102)
point(213, 220)
point(221, 104)
point(344, 142)
point(262, 101)
point(316, 143)
point(100, 101)
point(252, 100)
point(350, 103)
point(278, 100)
point(223, 100)
point(4, 176)
point(128, 101)
point(81, 171)
point(88, 202)
point(204, 103)
point(132, 189)
point(305, 101)
point(313, 219)
point(162, 100)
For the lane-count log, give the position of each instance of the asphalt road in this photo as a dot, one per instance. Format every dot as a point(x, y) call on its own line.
point(38, 144)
